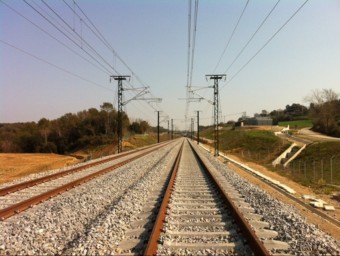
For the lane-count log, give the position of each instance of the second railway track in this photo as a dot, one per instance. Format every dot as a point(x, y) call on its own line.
point(126, 212)
point(17, 198)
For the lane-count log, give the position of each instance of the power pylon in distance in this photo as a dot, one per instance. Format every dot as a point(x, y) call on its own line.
point(216, 78)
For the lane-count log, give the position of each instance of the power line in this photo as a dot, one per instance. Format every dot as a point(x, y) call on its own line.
point(251, 38)
point(192, 28)
point(53, 37)
point(267, 42)
point(53, 65)
point(100, 36)
point(231, 36)
point(193, 41)
point(83, 40)
point(188, 61)
point(65, 35)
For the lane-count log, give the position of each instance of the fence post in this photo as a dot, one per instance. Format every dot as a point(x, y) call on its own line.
point(332, 168)
point(313, 169)
point(322, 168)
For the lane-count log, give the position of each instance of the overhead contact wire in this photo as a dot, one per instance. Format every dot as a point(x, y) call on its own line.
point(231, 36)
point(267, 42)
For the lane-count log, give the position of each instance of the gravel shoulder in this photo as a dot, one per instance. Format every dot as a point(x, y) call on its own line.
point(301, 190)
point(303, 237)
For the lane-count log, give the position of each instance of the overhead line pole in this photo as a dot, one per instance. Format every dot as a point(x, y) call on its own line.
point(198, 127)
point(216, 78)
point(192, 128)
point(120, 110)
point(158, 126)
point(172, 129)
point(168, 129)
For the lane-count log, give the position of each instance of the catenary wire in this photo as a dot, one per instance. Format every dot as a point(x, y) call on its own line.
point(53, 37)
point(66, 35)
point(267, 42)
point(251, 38)
point(231, 36)
point(100, 36)
point(81, 38)
point(53, 65)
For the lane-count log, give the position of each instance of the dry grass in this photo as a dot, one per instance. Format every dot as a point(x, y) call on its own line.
point(13, 166)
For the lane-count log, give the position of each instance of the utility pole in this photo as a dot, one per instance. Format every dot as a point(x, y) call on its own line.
point(216, 107)
point(168, 129)
point(120, 110)
point(192, 128)
point(198, 126)
point(172, 129)
point(158, 126)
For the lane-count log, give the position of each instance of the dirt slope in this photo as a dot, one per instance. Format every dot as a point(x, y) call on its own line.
point(13, 166)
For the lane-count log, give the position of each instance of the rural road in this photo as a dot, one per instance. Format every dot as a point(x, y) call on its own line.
point(315, 136)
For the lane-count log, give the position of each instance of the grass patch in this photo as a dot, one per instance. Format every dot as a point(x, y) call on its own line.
point(317, 166)
point(298, 124)
point(254, 145)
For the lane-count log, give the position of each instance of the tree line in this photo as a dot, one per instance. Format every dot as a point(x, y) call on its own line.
point(68, 133)
point(323, 110)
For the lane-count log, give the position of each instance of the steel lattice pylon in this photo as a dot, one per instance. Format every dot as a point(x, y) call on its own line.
point(216, 107)
point(120, 110)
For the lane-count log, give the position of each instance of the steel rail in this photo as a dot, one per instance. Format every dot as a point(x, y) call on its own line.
point(254, 242)
point(151, 247)
point(21, 206)
point(31, 183)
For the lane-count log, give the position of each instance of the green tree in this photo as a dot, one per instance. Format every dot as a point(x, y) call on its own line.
point(325, 111)
point(44, 125)
point(108, 108)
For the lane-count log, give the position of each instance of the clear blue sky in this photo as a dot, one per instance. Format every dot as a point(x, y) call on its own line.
point(151, 36)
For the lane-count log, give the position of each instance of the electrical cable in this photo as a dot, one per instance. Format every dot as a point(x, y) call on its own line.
point(192, 28)
point(100, 36)
point(56, 39)
point(267, 42)
point(53, 65)
point(65, 35)
point(251, 38)
point(231, 36)
point(82, 39)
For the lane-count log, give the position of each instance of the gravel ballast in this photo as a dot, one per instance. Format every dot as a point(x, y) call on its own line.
point(56, 225)
point(92, 219)
point(304, 238)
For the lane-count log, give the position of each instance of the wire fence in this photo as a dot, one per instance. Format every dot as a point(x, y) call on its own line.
point(315, 170)
point(320, 171)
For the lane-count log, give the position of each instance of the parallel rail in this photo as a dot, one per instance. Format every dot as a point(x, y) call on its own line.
point(23, 205)
point(254, 242)
point(34, 182)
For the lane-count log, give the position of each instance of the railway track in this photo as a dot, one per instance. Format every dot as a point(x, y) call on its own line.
point(196, 216)
point(33, 182)
point(170, 201)
point(19, 197)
